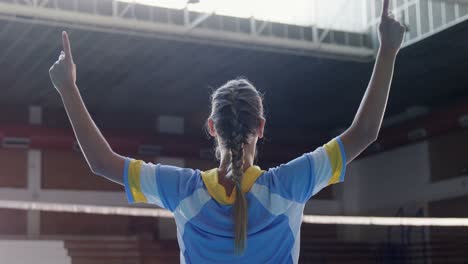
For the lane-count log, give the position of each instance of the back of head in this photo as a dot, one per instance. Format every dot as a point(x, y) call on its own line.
point(236, 111)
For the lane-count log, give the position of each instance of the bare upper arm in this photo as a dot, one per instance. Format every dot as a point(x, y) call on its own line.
point(111, 167)
point(354, 143)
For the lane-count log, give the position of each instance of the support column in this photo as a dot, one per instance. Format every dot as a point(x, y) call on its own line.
point(34, 173)
point(34, 186)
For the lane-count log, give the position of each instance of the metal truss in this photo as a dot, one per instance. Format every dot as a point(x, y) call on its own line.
point(424, 18)
point(185, 25)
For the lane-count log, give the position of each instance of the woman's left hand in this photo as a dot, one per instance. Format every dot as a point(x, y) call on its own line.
point(391, 32)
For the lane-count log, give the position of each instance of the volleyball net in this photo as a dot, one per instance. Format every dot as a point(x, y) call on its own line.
point(162, 213)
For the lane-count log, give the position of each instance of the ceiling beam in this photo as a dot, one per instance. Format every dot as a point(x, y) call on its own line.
point(181, 32)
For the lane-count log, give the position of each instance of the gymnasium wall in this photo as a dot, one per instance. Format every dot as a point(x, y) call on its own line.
point(38, 252)
point(408, 178)
point(421, 179)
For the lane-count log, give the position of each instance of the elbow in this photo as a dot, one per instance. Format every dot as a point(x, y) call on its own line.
point(370, 136)
point(366, 131)
point(106, 166)
point(367, 135)
point(98, 166)
point(373, 137)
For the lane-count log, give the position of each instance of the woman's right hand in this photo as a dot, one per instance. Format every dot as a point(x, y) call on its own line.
point(63, 71)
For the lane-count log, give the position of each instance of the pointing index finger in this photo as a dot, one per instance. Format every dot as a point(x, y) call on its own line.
point(385, 5)
point(66, 46)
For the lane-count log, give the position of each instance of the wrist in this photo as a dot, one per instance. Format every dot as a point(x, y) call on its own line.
point(67, 90)
point(387, 52)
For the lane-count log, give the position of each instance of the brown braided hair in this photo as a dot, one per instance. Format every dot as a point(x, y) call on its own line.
point(237, 111)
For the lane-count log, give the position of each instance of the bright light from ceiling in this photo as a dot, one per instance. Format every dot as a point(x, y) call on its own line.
point(336, 14)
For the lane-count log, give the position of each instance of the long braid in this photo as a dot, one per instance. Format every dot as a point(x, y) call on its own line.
point(236, 111)
point(237, 140)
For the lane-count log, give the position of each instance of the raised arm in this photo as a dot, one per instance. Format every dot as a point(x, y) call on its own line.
point(366, 125)
point(99, 155)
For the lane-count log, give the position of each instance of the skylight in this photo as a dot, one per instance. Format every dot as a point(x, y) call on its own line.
point(346, 15)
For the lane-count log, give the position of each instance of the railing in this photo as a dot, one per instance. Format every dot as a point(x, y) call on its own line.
point(406, 247)
point(411, 245)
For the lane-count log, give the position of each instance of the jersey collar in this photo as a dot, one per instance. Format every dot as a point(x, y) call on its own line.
point(217, 191)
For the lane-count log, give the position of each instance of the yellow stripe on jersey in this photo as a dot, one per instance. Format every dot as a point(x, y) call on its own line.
point(134, 170)
point(250, 176)
point(218, 192)
point(336, 160)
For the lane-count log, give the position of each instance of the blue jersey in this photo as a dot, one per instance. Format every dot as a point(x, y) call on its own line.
point(204, 213)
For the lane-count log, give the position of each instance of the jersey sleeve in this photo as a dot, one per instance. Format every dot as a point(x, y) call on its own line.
point(157, 184)
point(301, 178)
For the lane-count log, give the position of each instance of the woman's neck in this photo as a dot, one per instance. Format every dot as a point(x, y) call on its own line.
point(249, 154)
point(228, 184)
